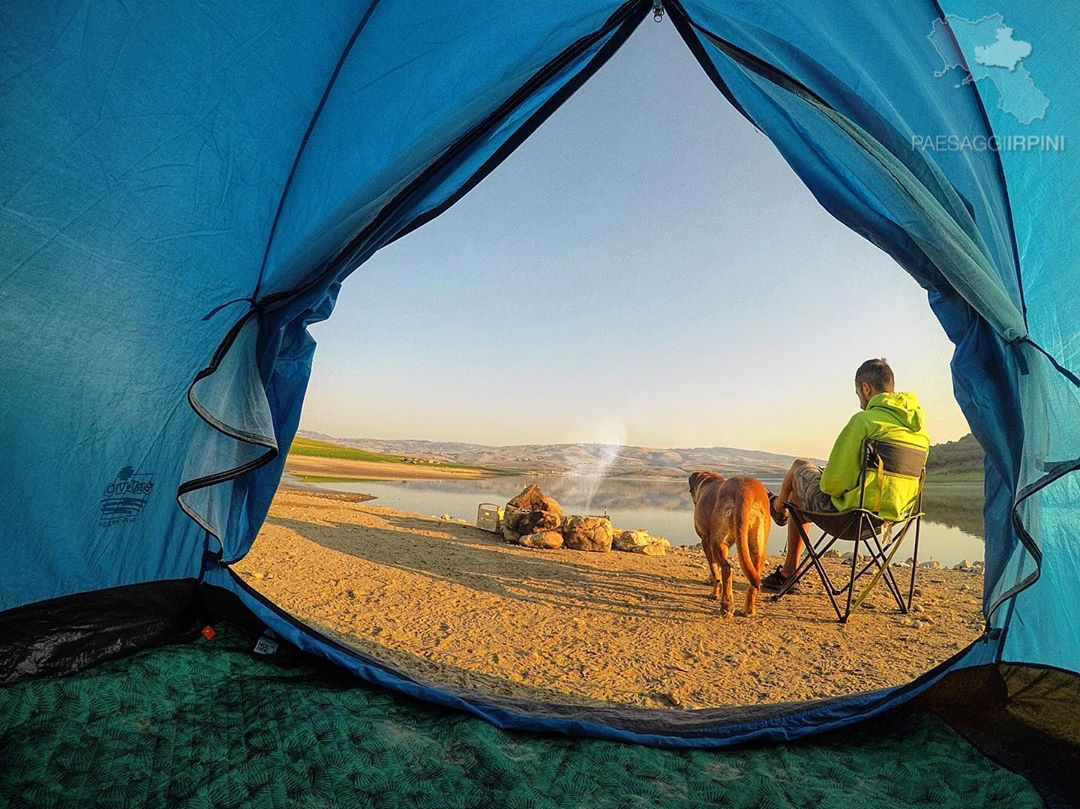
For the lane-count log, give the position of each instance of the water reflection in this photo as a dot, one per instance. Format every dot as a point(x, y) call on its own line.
point(952, 530)
point(957, 505)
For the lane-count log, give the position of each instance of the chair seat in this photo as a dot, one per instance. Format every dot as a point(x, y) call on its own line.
point(842, 524)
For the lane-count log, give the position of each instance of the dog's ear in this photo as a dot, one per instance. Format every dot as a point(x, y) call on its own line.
point(695, 481)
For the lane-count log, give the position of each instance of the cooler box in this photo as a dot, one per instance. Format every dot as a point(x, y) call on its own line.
point(489, 517)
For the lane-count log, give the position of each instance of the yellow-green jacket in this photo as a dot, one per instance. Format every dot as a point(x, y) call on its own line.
point(894, 417)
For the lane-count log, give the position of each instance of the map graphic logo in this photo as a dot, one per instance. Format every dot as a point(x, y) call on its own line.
point(985, 51)
point(125, 496)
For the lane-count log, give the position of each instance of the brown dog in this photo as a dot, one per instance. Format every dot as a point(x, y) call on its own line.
point(727, 512)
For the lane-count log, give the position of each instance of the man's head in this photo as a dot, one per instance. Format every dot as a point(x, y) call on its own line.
point(872, 378)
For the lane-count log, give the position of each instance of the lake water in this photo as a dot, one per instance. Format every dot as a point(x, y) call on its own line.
point(952, 529)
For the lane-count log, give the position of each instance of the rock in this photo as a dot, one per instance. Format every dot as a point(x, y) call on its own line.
point(542, 539)
point(628, 540)
point(587, 534)
point(965, 566)
point(833, 553)
point(532, 499)
point(639, 542)
point(933, 564)
point(917, 608)
point(446, 518)
point(510, 535)
point(532, 521)
point(847, 557)
point(656, 548)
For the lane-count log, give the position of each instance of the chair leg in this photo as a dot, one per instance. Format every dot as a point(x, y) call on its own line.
point(851, 582)
point(914, 563)
point(882, 560)
point(812, 560)
point(826, 582)
point(885, 572)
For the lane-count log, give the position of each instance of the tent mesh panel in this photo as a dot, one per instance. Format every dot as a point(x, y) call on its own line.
point(212, 724)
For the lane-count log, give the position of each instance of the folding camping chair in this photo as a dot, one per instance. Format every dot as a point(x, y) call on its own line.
point(882, 539)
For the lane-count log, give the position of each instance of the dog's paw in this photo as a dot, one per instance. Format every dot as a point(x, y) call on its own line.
point(726, 610)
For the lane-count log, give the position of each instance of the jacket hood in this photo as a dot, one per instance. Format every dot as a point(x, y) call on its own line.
point(902, 407)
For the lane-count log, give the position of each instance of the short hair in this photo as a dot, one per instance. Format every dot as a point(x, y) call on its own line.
point(876, 373)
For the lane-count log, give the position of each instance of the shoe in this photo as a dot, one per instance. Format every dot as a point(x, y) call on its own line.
point(778, 518)
point(776, 580)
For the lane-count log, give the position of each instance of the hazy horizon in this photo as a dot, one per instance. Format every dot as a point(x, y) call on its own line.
point(530, 443)
point(644, 270)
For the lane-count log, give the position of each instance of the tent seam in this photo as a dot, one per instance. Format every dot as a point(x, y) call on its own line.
point(303, 144)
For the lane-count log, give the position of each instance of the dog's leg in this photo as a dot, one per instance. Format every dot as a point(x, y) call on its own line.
point(727, 603)
point(751, 600)
point(717, 567)
point(714, 570)
point(761, 532)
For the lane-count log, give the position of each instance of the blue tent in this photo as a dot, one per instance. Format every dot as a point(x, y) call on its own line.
point(186, 186)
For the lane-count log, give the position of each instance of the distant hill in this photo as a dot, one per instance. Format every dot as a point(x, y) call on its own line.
point(960, 459)
point(335, 448)
point(579, 459)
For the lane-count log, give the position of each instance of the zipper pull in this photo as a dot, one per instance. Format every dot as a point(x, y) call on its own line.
point(658, 10)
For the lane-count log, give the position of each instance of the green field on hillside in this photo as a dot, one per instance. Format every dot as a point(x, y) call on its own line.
point(325, 449)
point(956, 461)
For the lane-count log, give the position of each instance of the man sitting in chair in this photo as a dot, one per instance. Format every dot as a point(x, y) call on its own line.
point(886, 415)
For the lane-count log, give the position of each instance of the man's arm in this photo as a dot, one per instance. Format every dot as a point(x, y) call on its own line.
point(845, 461)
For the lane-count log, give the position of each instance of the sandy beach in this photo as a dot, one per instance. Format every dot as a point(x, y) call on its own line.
point(455, 605)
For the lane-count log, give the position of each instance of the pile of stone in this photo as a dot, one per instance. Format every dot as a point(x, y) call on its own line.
point(534, 520)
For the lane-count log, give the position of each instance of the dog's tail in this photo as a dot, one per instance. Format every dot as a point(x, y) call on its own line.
point(742, 539)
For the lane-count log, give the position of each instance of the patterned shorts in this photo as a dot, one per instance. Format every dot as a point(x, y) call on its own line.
point(807, 487)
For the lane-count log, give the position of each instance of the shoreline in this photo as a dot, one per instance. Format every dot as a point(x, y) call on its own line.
point(456, 606)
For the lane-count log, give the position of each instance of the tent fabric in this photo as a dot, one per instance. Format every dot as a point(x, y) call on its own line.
point(186, 188)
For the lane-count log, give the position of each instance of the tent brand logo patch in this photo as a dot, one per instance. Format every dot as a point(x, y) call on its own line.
point(125, 497)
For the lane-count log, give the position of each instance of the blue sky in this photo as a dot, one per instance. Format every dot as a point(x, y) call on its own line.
point(646, 269)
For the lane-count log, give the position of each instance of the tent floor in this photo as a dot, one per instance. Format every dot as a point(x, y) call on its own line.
point(211, 724)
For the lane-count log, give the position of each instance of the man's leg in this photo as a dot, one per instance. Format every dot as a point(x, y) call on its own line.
point(794, 538)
